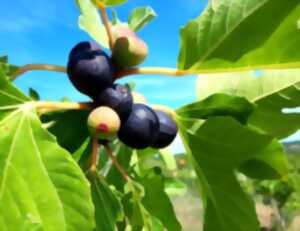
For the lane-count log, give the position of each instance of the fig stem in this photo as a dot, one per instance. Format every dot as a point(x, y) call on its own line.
point(95, 152)
point(106, 23)
point(116, 163)
point(36, 67)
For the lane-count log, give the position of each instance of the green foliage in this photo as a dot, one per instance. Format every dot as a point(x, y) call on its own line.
point(231, 133)
point(230, 35)
point(41, 187)
point(108, 207)
point(9, 69)
point(272, 92)
point(68, 121)
point(34, 94)
point(139, 217)
point(158, 203)
point(216, 155)
point(269, 163)
point(218, 105)
point(140, 17)
point(115, 19)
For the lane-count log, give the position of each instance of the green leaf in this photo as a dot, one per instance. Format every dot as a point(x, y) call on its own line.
point(168, 158)
point(7, 68)
point(10, 96)
point(148, 159)
point(139, 217)
point(156, 224)
point(218, 105)
point(131, 85)
point(34, 94)
point(272, 92)
point(115, 19)
point(175, 187)
point(269, 163)
point(41, 187)
point(140, 17)
point(108, 208)
point(90, 22)
point(157, 202)
point(84, 150)
point(234, 35)
point(65, 128)
point(216, 156)
point(4, 59)
point(112, 2)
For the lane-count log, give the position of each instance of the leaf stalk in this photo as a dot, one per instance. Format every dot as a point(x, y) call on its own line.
point(116, 163)
point(106, 23)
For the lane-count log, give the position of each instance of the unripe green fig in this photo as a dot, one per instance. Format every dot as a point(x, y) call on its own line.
point(138, 98)
point(103, 123)
point(129, 50)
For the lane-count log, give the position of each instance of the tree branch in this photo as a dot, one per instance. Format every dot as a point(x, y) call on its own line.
point(155, 71)
point(48, 106)
point(36, 67)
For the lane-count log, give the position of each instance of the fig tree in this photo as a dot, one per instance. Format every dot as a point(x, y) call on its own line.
point(129, 50)
point(167, 130)
point(103, 123)
point(90, 70)
point(117, 97)
point(141, 127)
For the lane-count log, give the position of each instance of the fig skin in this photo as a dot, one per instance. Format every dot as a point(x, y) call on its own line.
point(140, 129)
point(129, 50)
point(167, 130)
point(117, 97)
point(82, 47)
point(103, 123)
point(90, 69)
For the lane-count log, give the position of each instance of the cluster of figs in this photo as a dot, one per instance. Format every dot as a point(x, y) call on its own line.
point(115, 113)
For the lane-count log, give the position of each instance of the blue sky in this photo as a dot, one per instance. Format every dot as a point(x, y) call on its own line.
point(44, 31)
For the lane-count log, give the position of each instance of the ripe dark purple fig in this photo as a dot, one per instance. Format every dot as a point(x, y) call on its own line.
point(167, 130)
point(141, 127)
point(82, 47)
point(90, 70)
point(117, 97)
point(129, 50)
